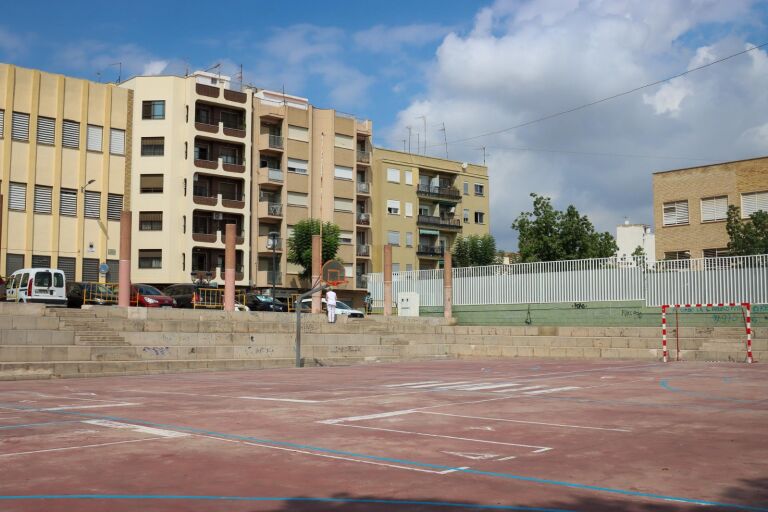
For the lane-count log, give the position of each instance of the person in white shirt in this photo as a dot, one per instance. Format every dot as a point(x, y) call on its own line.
point(330, 304)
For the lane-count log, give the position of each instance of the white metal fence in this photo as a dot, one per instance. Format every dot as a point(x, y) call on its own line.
point(696, 281)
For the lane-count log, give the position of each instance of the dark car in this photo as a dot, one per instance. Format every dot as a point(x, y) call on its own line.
point(258, 302)
point(146, 296)
point(90, 293)
point(188, 295)
point(2, 288)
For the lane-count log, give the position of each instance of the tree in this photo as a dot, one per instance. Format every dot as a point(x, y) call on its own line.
point(300, 243)
point(748, 236)
point(474, 251)
point(546, 234)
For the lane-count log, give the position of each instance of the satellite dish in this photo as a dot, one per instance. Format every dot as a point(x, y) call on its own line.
point(464, 165)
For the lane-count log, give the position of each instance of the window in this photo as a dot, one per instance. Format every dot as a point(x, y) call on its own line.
point(466, 188)
point(39, 261)
point(393, 207)
point(345, 237)
point(466, 216)
point(114, 206)
point(343, 173)
point(343, 205)
point(153, 109)
point(150, 258)
point(409, 239)
point(298, 133)
point(13, 262)
point(675, 213)
point(409, 209)
point(46, 129)
point(298, 166)
point(714, 208)
point(479, 217)
point(68, 202)
point(752, 202)
point(297, 199)
point(150, 221)
point(677, 255)
point(117, 141)
point(151, 183)
point(344, 141)
point(17, 196)
point(393, 237)
point(153, 146)
point(93, 141)
point(70, 134)
point(43, 196)
point(395, 268)
point(408, 267)
point(393, 175)
point(20, 126)
point(2, 123)
point(92, 204)
point(716, 253)
point(479, 189)
point(408, 175)
point(349, 271)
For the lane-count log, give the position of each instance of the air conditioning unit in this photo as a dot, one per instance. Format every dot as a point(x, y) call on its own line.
point(218, 216)
point(452, 210)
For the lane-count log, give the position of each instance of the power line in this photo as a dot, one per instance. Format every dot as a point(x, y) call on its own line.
point(603, 100)
point(593, 153)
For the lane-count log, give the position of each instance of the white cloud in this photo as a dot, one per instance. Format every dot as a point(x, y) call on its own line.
point(155, 67)
point(523, 60)
point(388, 39)
point(12, 45)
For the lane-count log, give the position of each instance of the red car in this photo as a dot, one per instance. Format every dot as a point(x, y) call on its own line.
point(146, 296)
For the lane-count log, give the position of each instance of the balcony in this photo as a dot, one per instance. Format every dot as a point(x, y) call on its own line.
point(239, 239)
point(236, 96)
point(271, 176)
point(440, 222)
point(206, 226)
point(451, 194)
point(363, 126)
point(204, 195)
point(363, 251)
point(218, 156)
point(269, 210)
point(272, 110)
point(430, 251)
point(363, 219)
point(363, 157)
point(271, 142)
point(265, 277)
point(264, 244)
point(363, 187)
point(207, 90)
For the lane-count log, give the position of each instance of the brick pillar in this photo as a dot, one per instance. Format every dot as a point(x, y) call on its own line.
point(447, 285)
point(229, 268)
point(317, 268)
point(124, 270)
point(387, 280)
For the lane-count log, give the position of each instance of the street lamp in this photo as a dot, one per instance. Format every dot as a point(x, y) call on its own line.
point(274, 236)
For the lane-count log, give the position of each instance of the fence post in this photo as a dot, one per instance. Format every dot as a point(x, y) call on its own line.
point(388, 280)
point(447, 285)
point(124, 269)
point(229, 268)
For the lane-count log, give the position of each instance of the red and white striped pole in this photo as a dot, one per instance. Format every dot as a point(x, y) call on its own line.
point(748, 308)
point(664, 332)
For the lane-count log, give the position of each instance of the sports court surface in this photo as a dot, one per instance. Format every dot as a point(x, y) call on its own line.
point(443, 435)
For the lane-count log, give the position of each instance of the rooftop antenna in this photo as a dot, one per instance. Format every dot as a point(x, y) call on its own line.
point(484, 154)
point(445, 139)
point(239, 76)
point(424, 118)
point(409, 138)
point(403, 145)
point(418, 142)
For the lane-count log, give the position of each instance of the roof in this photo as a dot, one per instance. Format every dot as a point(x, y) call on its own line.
point(712, 164)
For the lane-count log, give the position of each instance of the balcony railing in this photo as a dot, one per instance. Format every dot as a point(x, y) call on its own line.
point(275, 175)
point(273, 209)
point(364, 250)
point(361, 282)
point(441, 222)
point(364, 156)
point(430, 250)
point(266, 245)
point(363, 187)
point(275, 141)
point(364, 219)
point(450, 193)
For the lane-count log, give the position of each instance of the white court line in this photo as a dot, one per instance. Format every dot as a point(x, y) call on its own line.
point(441, 384)
point(295, 400)
point(552, 390)
point(137, 428)
point(517, 389)
point(337, 457)
point(494, 386)
point(67, 407)
point(367, 417)
point(527, 422)
point(539, 449)
point(412, 383)
point(460, 387)
point(81, 446)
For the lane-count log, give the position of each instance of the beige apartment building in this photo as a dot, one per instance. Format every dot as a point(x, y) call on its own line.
point(421, 204)
point(690, 205)
point(65, 169)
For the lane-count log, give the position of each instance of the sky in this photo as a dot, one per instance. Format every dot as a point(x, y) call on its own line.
point(470, 67)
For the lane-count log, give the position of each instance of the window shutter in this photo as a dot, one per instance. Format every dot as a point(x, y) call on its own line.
point(67, 265)
point(298, 166)
point(43, 196)
point(393, 206)
point(117, 141)
point(681, 213)
point(70, 136)
point(342, 172)
point(68, 202)
point(92, 204)
point(753, 202)
point(114, 206)
point(13, 262)
point(151, 183)
point(94, 137)
point(39, 261)
point(90, 270)
point(18, 196)
point(2, 123)
point(393, 175)
point(714, 208)
point(298, 133)
point(409, 209)
point(20, 126)
point(408, 177)
point(409, 239)
point(46, 130)
point(345, 205)
point(297, 199)
point(344, 141)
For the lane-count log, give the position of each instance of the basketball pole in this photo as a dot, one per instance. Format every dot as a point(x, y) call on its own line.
point(303, 296)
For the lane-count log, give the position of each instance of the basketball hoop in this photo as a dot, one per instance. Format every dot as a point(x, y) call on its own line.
point(333, 273)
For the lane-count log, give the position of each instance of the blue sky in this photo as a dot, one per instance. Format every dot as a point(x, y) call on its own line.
point(475, 67)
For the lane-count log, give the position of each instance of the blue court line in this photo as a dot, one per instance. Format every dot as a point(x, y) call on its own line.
point(25, 425)
point(664, 383)
point(509, 476)
point(473, 506)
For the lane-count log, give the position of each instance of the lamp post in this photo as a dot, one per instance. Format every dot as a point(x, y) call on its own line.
point(274, 236)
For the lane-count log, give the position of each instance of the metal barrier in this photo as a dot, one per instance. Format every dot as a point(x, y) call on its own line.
point(213, 298)
point(102, 294)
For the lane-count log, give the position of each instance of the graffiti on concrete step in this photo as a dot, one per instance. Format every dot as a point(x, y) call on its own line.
point(579, 305)
point(631, 313)
point(261, 349)
point(345, 349)
point(158, 351)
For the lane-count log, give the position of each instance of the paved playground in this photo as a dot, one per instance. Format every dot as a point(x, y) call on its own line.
point(441, 435)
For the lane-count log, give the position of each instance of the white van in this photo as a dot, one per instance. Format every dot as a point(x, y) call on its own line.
point(44, 285)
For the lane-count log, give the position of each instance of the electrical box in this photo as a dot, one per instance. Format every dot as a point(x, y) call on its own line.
point(408, 304)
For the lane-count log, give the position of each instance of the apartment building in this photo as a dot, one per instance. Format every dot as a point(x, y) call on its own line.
point(420, 205)
point(192, 176)
point(65, 169)
point(690, 205)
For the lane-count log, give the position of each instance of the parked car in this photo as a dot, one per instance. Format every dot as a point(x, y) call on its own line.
point(2, 288)
point(258, 302)
point(146, 296)
point(188, 294)
point(43, 285)
point(341, 308)
point(90, 293)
